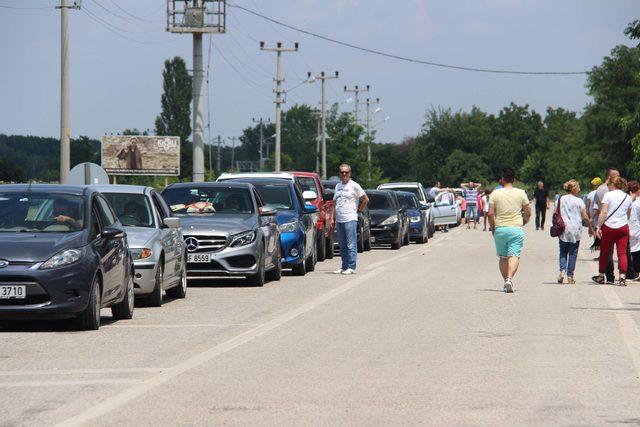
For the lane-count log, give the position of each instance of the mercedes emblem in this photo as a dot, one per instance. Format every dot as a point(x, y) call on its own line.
point(192, 244)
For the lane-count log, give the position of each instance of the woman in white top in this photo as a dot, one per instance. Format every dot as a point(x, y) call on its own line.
point(613, 228)
point(485, 207)
point(573, 212)
point(634, 227)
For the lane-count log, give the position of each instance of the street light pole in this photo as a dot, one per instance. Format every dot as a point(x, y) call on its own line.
point(323, 78)
point(369, 103)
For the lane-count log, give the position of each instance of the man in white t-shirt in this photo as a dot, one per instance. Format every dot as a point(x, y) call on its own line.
point(348, 199)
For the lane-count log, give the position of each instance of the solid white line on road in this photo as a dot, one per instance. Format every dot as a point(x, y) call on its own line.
point(170, 373)
point(47, 372)
point(202, 325)
point(65, 383)
point(628, 326)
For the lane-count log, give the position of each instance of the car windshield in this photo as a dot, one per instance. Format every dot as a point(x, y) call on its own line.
point(132, 209)
point(307, 183)
point(275, 195)
point(413, 190)
point(379, 201)
point(408, 202)
point(204, 200)
point(35, 212)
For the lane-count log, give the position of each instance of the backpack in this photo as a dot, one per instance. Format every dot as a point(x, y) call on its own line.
point(557, 223)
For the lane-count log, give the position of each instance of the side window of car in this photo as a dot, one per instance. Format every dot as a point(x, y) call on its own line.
point(107, 218)
point(298, 192)
point(259, 201)
point(159, 207)
point(95, 222)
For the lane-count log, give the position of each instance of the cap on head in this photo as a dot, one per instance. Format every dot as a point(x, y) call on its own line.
point(597, 181)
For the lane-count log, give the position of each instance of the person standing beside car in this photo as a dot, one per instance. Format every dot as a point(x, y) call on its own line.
point(349, 199)
point(471, 198)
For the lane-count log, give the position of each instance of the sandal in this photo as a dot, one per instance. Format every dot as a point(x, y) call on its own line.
point(598, 279)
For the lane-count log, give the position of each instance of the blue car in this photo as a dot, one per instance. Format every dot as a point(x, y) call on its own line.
point(418, 216)
point(296, 220)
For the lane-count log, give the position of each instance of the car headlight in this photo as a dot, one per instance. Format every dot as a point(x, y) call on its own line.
point(390, 221)
point(242, 239)
point(140, 253)
point(289, 227)
point(62, 258)
point(415, 219)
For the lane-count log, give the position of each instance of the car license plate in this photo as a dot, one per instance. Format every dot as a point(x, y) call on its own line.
point(13, 292)
point(199, 258)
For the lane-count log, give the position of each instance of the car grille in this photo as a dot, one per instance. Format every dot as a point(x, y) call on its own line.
point(212, 266)
point(205, 243)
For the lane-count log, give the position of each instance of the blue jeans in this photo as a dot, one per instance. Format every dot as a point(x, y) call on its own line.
point(568, 251)
point(347, 236)
point(472, 212)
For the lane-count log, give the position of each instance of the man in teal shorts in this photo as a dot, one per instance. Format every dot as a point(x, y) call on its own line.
point(509, 212)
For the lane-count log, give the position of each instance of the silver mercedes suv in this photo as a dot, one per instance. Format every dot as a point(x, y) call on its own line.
point(228, 231)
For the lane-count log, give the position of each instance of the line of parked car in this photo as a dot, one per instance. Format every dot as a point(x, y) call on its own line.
point(73, 250)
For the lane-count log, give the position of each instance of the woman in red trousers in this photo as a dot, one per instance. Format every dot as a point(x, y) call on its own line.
point(613, 228)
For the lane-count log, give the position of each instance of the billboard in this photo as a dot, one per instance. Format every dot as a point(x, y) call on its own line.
point(141, 155)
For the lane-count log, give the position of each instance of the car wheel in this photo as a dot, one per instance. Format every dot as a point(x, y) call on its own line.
point(406, 239)
point(322, 246)
point(361, 241)
point(89, 318)
point(311, 261)
point(155, 298)
point(300, 269)
point(398, 242)
point(276, 273)
point(367, 242)
point(124, 309)
point(432, 229)
point(328, 254)
point(180, 291)
point(258, 279)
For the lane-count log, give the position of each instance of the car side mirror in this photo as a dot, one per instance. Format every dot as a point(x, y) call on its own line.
point(112, 233)
point(402, 210)
point(268, 211)
point(327, 196)
point(309, 208)
point(425, 207)
point(309, 195)
point(171, 222)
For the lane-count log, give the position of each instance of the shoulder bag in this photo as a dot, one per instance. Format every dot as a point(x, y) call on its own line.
point(557, 223)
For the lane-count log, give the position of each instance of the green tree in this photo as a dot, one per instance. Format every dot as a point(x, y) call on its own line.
point(175, 114)
point(461, 167)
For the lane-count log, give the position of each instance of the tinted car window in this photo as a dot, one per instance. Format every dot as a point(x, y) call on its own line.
point(106, 216)
point(413, 190)
point(275, 195)
point(131, 209)
point(379, 201)
point(408, 202)
point(307, 184)
point(41, 212)
point(203, 200)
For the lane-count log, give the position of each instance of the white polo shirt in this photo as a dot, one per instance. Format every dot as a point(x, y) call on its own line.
point(346, 199)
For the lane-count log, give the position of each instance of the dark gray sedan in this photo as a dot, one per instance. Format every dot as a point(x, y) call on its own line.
point(228, 231)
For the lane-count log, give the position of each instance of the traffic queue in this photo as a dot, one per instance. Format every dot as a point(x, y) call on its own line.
point(70, 251)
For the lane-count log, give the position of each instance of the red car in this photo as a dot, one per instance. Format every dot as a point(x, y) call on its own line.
point(310, 181)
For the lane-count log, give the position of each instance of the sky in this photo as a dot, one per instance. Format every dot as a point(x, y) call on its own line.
point(118, 48)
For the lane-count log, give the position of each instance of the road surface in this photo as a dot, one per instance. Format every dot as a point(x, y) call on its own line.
point(422, 335)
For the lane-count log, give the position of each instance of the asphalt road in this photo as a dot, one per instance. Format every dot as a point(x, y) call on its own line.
point(422, 335)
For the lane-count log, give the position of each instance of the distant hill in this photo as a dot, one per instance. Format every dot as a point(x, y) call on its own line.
point(24, 158)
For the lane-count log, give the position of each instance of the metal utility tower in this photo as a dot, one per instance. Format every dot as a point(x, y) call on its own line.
point(356, 90)
point(369, 103)
point(197, 17)
point(65, 131)
point(261, 127)
point(278, 90)
point(323, 78)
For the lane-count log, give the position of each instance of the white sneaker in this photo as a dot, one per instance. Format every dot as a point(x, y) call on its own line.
point(338, 271)
point(349, 271)
point(508, 286)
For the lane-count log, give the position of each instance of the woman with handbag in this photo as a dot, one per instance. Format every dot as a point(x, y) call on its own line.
point(572, 211)
point(634, 231)
point(613, 228)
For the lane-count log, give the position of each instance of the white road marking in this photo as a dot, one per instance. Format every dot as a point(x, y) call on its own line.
point(628, 326)
point(170, 373)
point(47, 372)
point(65, 383)
point(202, 325)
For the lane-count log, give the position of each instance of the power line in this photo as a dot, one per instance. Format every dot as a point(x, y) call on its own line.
point(404, 58)
point(118, 16)
point(138, 17)
point(242, 76)
point(2, 6)
point(124, 18)
point(112, 29)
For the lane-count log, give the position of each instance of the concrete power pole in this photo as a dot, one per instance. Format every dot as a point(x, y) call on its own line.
point(233, 152)
point(323, 78)
point(261, 127)
point(218, 158)
point(318, 116)
point(65, 131)
point(278, 91)
point(356, 90)
point(194, 17)
point(369, 103)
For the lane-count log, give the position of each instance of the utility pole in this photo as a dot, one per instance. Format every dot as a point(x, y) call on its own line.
point(210, 170)
point(356, 90)
point(233, 151)
point(194, 17)
point(261, 128)
point(278, 91)
point(323, 78)
point(218, 160)
point(65, 131)
point(318, 116)
point(369, 103)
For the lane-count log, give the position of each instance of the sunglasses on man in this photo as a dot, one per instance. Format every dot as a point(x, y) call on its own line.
point(344, 172)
